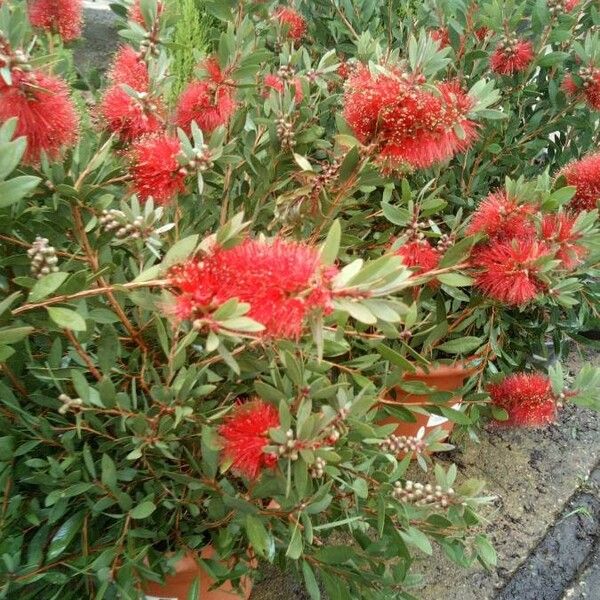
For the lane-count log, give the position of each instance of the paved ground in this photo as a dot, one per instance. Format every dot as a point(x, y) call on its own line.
point(546, 521)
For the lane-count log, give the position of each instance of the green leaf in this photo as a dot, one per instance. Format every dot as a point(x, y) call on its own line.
point(10, 156)
point(65, 534)
point(143, 510)
point(552, 58)
point(13, 190)
point(312, 587)
point(6, 352)
point(8, 302)
point(331, 246)
point(194, 591)
point(46, 285)
point(294, 550)
point(109, 472)
point(67, 318)
point(417, 538)
point(257, 535)
point(485, 551)
point(180, 250)
point(461, 345)
point(455, 279)
point(12, 335)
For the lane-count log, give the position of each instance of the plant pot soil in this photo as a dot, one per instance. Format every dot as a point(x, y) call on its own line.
point(177, 586)
point(442, 378)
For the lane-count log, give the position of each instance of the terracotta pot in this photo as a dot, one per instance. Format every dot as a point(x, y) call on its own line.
point(177, 586)
point(442, 378)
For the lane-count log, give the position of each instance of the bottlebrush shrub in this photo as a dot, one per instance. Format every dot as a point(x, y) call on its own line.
point(204, 299)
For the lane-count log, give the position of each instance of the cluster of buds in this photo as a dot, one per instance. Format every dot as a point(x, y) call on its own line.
point(414, 230)
point(69, 404)
point(445, 242)
point(285, 133)
point(334, 431)
point(509, 45)
point(588, 76)
point(318, 469)
point(324, 179)
point(43, 257)
point(13, 60)
point(287, 73)
point(423, 494)
point(559, 7)
point(396, 444)
point(114, 221)
point(149, 46)
point(406, 335)
point(202, 161)
point(289, 449)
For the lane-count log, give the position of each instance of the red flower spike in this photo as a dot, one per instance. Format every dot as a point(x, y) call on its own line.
point(509, 58)
point(584, 174)
point(411, 125)
point(245, 434)
point(501, 217)
point(46, 115)
point(209, 102)
point(155, 169)
point(527, 398)
point(64, 17)
point(558, 229)
point(282, 281)
point(278, 84)
point(135, 12)
point(292, 21)
point(419, 255)
point(508, 270)
point(441, 35)
point(589, 90)
point(130, 69)
point(130, 118)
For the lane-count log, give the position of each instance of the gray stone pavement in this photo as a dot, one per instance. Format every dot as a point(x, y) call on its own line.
point(545, 522)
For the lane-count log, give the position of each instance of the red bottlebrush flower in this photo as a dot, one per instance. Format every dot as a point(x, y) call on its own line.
point(129, 68)
point(501, 217)
point(441, 35)
point(527, 398)
point(46, 115)
point(155, 169)
point(282, 281)
point(209, 102)
point(130, 117)
point(481, 33)
point(64, 17)
point(412, 125)
point(292, 21)
point(558, 229)
point(419, 255)
point(511, 57)
point(245, 435)
point(589, 89)
point(571, 4)
point(584, 174)
point(278, 84)
point(508, 271)
point(135, 12)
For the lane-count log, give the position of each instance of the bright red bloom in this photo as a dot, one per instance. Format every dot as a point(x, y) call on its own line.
point(527, 398)
point(584, 174)
point(508, 271)
point(501, 217)
point(209, 102)
point(135, 12)
point(441, 35)
point(571, 4)
point(130, 117)
point(410, 124)
point(481, 33)
point(278, 84)
point(155, 169)
point(282, 281)
point(245, 434)
point(292, 21)
point(419, 255)
point(557, 228)
point(509, 58)
point(64, 17)
point(589, 89)
point(46, 115)
point(129, 68)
